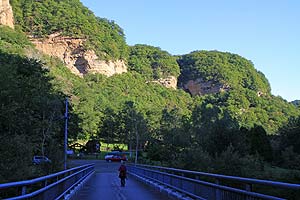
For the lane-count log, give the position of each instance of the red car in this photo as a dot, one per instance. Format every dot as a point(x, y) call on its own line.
point(115, 158)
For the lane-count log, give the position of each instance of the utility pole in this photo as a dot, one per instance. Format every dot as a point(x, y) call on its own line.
point(66, 134)
point(137, 143)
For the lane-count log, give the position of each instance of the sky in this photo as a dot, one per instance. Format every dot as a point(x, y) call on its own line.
point(267, 32)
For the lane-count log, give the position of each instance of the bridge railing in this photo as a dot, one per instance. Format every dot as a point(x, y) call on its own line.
point(53, 186)
point(189, 183)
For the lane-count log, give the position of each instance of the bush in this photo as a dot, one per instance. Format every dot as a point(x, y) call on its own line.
point(290, 159)
point(196, 159)
point(230, 162)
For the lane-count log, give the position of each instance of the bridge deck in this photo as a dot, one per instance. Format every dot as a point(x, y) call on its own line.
point(105, 184)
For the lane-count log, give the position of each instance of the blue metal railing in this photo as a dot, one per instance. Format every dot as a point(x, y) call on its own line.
point(53, 186)
point(189, 183)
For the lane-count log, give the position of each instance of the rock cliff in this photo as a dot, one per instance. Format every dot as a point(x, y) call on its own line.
point(79, 60)
point(169, 82)
point(71, 51)
point(201, 87)
point(6, 14)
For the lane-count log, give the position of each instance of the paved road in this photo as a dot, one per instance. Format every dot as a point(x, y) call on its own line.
point(105, 184)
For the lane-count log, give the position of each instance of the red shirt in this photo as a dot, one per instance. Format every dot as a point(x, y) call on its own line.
point(122, 170)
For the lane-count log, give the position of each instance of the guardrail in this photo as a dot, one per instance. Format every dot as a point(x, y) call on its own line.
point(53, 186)
point(189, 183)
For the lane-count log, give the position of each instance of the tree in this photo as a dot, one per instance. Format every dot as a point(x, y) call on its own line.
point(259, 142)
point(27, 115)
point(134, 126)
point(110, 127)
point(152, 62)
point(289, 135)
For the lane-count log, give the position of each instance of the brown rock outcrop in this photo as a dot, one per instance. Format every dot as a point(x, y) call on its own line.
point(79, 60)
point(169, 82)
point(6, 14)
point(201, 87)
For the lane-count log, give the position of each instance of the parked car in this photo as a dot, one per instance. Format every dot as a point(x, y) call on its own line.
point(70, 152)
point(40, 159)
point(115, 158)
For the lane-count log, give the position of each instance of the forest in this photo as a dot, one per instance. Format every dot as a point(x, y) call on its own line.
point(243, 130)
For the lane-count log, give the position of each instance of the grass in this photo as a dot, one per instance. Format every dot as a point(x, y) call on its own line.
point(281, 175)
point(110, 147)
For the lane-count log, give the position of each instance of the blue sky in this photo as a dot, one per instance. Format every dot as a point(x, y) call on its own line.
point(267, 32)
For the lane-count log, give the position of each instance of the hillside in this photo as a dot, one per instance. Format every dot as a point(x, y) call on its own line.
point(70, 18)
point(220, 71)
point(221, 107)
point(296, 103)
point(69, 31)
point(236, 86)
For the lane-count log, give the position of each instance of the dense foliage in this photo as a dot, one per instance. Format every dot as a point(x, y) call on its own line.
point(296, 103)
point(94, 94)
point(226, 68)
point(31, 111)
point(12, 41)
point(248, 99)
point(152, 62)
point(71, 18)
point(28, 113)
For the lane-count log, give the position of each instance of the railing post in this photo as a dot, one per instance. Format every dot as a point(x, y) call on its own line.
point(218, 192)
point(195, 185)
point(248, 187)
point(171, 178)
point(23, 190)
point(182, 174)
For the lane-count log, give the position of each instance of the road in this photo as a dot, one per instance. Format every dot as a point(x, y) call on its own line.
point(105, 184)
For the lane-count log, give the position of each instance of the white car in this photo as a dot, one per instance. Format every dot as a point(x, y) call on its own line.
point(70, 152)
point(108, 157)
point(40, 159)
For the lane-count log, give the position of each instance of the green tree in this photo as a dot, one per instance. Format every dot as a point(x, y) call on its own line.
point(152, 62)
point(135, 130)
point(259, 142)
point(289, 135)
point(27, 116)
point(110, 127)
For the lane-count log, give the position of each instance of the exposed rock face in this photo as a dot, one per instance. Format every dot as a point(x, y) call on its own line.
point(6, 14)
point(201, 87)
point(79, 60)
point(169, 82)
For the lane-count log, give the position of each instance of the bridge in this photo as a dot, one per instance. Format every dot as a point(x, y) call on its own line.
point(97, 179)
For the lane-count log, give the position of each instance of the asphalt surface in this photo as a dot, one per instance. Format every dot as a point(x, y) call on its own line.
point(105, 184)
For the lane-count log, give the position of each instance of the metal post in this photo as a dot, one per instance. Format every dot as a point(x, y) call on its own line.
point(136, 149)
point(248, 187)
point(66, 134)
point(137, 143)
point(218, 192)
point(23, 190)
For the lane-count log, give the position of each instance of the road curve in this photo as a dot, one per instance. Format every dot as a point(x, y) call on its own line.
point(105, 184)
